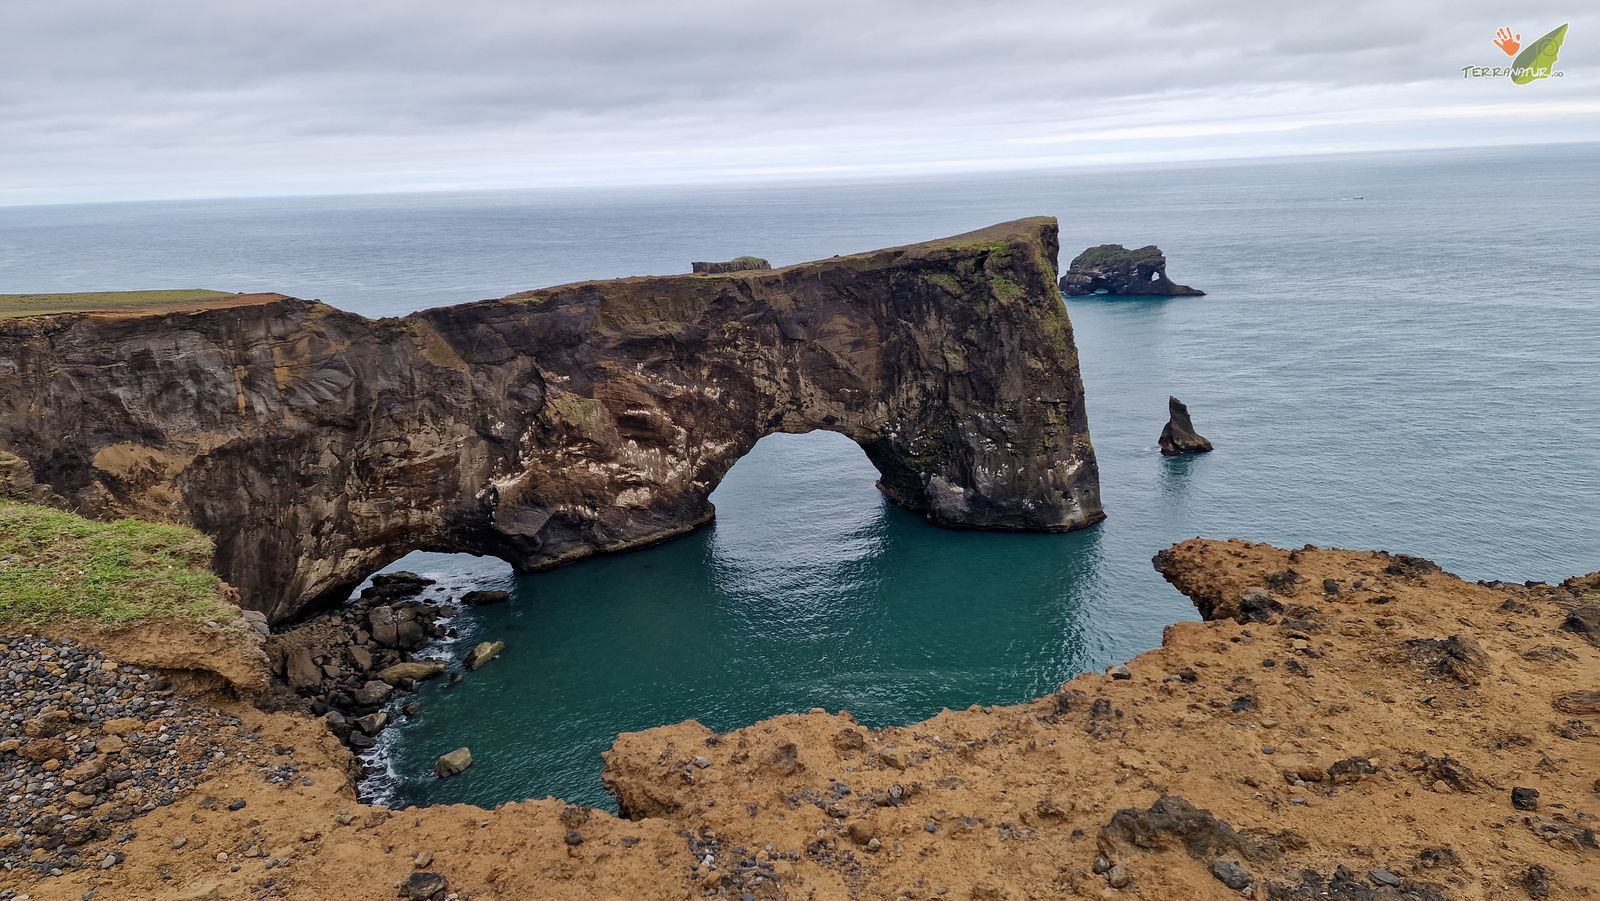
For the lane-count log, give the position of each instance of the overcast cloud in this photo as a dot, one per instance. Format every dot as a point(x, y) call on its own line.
point(107, 99)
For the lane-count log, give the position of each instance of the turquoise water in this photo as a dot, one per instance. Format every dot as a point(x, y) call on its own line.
point(1414, 370)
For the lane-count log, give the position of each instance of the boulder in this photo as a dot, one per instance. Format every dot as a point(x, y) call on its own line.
point(372, 723)
point(1179, 436)
point(373, 693)
point(384, 626)
point(300, 669)
point(483, 653)
point(414, 671)
point(409, 634)
point(484, 598)
point(453, 763)
point(1116, 270)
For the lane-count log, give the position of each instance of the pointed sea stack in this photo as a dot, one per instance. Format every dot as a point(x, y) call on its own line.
point(1179, 437)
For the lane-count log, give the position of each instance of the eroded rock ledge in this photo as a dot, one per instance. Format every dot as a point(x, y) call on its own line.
point(316, 446)
point(1344, 724)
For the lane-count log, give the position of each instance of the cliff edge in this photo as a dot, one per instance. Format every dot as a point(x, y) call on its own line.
point(1343, 724)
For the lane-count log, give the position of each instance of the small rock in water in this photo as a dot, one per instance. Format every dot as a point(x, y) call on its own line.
point(453, 763)
point(482, 598)
point(484, 652)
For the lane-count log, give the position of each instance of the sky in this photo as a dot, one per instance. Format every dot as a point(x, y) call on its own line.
point(116, 100)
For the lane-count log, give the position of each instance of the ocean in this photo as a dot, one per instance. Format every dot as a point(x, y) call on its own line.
point(1397, 351)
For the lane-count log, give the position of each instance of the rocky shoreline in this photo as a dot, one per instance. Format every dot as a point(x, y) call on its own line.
point(356, 666)
point(1342, 724)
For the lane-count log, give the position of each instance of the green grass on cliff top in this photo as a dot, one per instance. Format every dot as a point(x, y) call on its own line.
point(55, 567)
point(13, 305)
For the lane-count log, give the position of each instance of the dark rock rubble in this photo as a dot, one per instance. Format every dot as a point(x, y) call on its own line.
point(87, 745)
point(348, 664)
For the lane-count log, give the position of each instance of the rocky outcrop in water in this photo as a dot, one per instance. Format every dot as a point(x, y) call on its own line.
point(1114, 269)
point(1179, 436)
point(316, 446)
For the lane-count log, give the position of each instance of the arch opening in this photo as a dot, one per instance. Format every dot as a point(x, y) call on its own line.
point(809, 589)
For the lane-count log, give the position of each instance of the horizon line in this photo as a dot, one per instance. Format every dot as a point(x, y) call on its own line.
point(817, 177)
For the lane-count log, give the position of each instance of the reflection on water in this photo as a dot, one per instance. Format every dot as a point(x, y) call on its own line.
point(1176, 474)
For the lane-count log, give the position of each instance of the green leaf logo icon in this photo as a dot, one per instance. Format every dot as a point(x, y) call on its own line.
point(1539, 59)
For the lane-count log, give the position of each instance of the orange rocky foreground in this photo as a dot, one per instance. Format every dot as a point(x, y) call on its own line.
point(1347, 725)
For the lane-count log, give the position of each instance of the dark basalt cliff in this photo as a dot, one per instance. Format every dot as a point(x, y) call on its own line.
point(317, 446)
point(1114, 269)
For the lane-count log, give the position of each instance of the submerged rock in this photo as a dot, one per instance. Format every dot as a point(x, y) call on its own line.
point(1179, 436)
point(1114, 269)
point(484, 652)
point(484, 598)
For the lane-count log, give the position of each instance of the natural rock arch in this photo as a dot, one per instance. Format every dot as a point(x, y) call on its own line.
point(317, 446)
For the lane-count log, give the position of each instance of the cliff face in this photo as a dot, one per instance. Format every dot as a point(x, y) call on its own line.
point(316, 445)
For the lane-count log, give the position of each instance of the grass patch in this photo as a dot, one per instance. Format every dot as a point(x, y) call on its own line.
point(13, 305)
point(57, 566)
